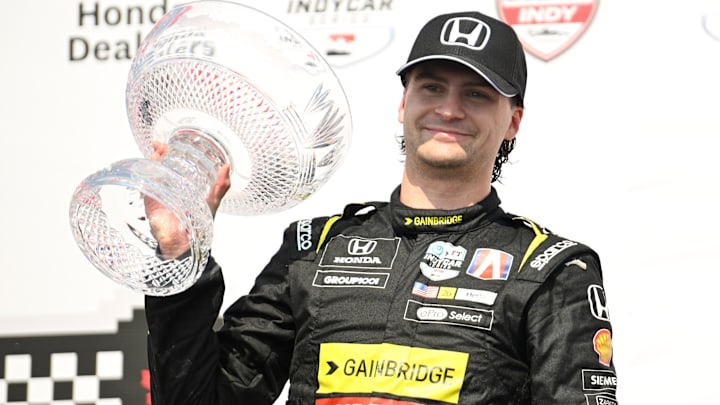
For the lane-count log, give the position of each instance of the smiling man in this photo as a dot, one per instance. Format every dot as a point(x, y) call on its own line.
point(436, 297)
point(454, 123)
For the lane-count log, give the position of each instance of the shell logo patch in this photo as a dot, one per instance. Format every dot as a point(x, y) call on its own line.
point(602, 343)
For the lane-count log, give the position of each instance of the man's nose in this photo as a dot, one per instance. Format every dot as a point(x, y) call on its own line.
point(451, 107)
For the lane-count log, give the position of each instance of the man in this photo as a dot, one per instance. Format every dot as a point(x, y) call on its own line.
point(436, 297)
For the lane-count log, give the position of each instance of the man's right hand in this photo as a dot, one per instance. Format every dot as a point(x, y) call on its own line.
point(164, 226)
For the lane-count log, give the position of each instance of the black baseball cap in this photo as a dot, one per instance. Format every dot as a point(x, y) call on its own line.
point(486, 45)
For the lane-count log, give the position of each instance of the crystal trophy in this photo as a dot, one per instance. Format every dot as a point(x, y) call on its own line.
point(217, 82)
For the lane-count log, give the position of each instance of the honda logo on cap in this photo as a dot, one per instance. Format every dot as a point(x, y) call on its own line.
point(465, 31)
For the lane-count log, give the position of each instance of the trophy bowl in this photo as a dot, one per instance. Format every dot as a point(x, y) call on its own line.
point(218, 83)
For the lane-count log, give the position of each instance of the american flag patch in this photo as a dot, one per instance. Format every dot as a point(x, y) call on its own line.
point(425, 291)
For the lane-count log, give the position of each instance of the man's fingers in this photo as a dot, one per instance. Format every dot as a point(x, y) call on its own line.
point(159, 149)
point(222, 184)
point(219, 189)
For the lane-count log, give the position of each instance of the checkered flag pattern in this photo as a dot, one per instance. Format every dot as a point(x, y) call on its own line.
point(25, 380)
point(75, 370)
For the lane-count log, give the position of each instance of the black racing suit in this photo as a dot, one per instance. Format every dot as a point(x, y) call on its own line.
point(387, 305)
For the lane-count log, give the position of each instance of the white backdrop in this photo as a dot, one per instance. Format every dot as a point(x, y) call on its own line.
point(618, 149)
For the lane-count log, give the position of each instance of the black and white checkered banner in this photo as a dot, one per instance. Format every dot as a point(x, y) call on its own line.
point(106, 369)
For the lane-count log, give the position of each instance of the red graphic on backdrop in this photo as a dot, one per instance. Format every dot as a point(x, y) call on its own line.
point(546, 29)
point(145, 383)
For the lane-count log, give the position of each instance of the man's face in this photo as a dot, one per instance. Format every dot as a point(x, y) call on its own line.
point(453, 119)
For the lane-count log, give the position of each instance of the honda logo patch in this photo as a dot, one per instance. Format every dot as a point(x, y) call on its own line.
point(598, 303)
point(361, 246)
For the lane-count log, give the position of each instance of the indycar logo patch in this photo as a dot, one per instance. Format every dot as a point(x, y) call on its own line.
point(442, 261)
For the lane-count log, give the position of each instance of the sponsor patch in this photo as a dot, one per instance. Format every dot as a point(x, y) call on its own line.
point(479, 296)
point(426, 374)
point(539, 262)
point(358, 252)
point(598, 306)
point(335, 278)
point(602, 343)
point(447, 293)
point(362, 401)
point(442, 261)
point(453, 293)
point(597, 380)
point(449, 315)
point(434, 221)
point(547, 28)
point(600, 399)
point(304, 235)
point(490, 264)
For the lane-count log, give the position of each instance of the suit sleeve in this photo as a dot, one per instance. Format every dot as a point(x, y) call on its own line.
point(244, 362)
point(570, 338)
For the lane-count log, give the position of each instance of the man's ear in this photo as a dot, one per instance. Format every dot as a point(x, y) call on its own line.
point(514, 126)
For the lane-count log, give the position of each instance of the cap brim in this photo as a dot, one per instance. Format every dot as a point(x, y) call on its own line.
point(498, 83)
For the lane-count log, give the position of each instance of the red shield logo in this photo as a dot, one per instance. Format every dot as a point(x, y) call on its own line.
point(546, 29)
